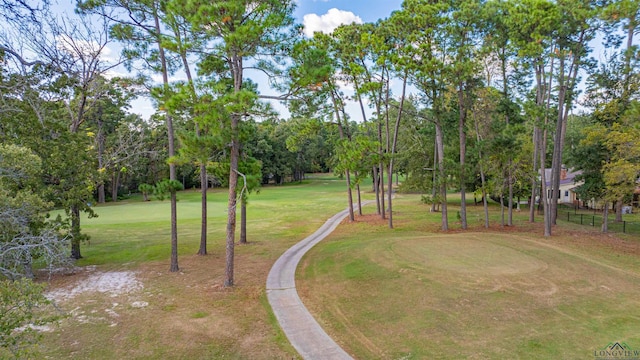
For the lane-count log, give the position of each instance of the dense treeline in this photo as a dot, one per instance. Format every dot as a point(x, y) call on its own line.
point(465, 95)
point(494, 87)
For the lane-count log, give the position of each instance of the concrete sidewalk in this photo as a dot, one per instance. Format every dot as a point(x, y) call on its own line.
point(302, 330)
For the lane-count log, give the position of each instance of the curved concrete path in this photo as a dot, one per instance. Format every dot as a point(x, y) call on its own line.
point(302, 330)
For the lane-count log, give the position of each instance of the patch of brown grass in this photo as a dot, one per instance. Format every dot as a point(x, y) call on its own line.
point(189, 315)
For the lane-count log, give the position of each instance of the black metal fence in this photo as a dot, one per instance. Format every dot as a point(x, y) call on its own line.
point(596, 221)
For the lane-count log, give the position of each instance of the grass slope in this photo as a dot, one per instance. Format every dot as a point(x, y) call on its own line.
point(417, 293)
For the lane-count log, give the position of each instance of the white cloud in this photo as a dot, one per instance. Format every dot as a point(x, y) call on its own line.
point(110, 56)
point(346, 86)
point(110, 74)
point(82, 48)
point(328, 22)
point(157, 78)
point(142, 106)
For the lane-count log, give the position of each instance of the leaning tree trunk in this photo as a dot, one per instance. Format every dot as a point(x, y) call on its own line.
point(342, 137)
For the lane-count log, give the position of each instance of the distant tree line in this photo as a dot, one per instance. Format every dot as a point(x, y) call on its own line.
point(466, 95)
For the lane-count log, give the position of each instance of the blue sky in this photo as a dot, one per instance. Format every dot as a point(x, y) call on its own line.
point(316, 15)
point(367, 10)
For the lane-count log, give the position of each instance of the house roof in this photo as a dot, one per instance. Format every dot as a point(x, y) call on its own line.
point(568, 180)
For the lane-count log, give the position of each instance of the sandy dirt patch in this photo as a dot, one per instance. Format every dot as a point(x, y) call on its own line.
point(111, 283)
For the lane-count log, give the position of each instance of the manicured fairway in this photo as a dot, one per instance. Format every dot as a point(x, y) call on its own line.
point(142, 311)
point(412, 292)
point(407, 294)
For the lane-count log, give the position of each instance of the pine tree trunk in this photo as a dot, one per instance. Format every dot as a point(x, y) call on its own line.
point(174, 234)
point(101, 193)
point(565, 100)
point(204, 183)
point(463, 150)
point(442, 175)
point(376, 188)
point(434, 188)
point(350, 196)
point(501, 209)
point(235, 63)
point(380, 188)
point(510, 201)
point(75, 232)
point(100, 139)
point(343, 136)
point(482, 178)
point(390, 192)
point(359, 198)
point(115, 184)
point(383, 213)
point(203, 205)
point(534, 180)
point(544, 199)
point(605, 218)
point(231, 206)
point(619, 211)
point(505, 92)
point(171, 149)
point(243, 221)
point(394, 144)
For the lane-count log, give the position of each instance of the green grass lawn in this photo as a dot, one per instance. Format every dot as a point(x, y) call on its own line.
point(417, 293)
point(137, 231)
point(189, 314)
point(412, 292)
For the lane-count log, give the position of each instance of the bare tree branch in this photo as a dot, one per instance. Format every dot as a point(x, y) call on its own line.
point(20, 58)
